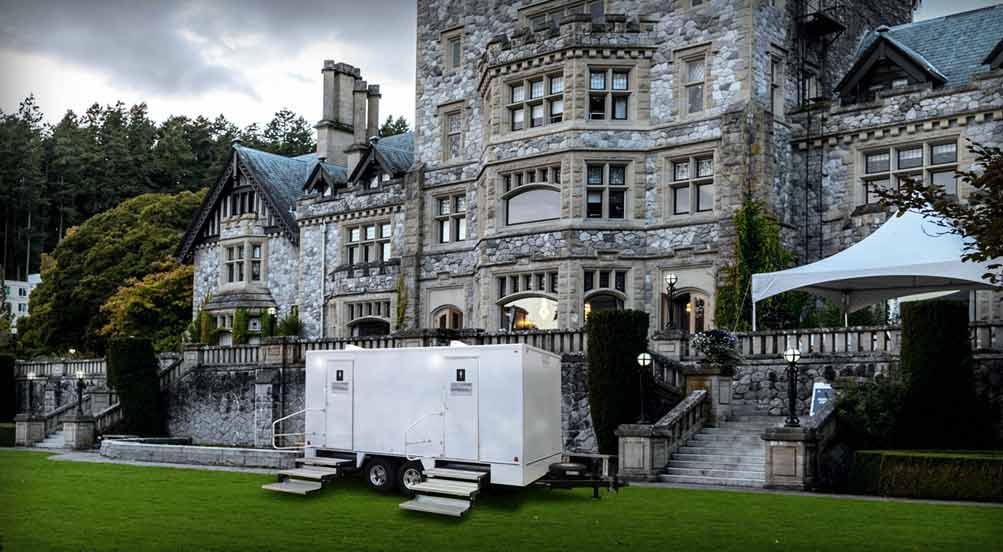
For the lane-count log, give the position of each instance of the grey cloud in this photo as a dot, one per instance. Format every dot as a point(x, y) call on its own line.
point(161, 47)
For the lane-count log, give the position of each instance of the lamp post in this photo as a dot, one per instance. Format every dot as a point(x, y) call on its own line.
point(31, 392)
point(670, 288)
point(792, 356)
point(644, 361)
point(80, 393)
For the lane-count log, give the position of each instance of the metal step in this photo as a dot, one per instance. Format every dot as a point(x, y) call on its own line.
point(446, 487)
point(449, 473)
point(329, 462)
point(294, 486)
point(315, 473)
point(437, 505)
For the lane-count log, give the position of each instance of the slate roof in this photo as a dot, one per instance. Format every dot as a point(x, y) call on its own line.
point(397, 151)
point(281, 176)
point(954, 46)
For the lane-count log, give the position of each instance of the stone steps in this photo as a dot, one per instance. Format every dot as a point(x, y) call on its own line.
point(731, 455)
point(54, 441)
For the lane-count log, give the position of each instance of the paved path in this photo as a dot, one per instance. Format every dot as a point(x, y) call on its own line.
point(818, 495)
point(94, 457)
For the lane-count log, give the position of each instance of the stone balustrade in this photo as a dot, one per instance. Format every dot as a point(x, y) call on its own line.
point(644, 449)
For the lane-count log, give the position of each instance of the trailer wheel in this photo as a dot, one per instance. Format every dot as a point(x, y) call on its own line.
point(380, 475)
point(408, 475)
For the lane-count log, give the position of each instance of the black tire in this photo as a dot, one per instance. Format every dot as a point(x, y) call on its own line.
point(408, 474)
point(381, 475)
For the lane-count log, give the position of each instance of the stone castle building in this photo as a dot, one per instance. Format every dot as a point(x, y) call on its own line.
point(568, 155)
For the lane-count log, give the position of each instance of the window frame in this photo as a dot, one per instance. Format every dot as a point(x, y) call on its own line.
point(525, 103)
point(609, 95)
point(692, 183)
point(378, 247)
point(448, 133)
point(453, 220)
point(448, 39)
point(605, 187)
point(895, 172)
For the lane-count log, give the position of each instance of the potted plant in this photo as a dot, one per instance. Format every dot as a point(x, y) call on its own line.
point(719, 349)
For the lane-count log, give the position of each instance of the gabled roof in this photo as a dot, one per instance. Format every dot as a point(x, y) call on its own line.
point(394, 154)
point(995, 58)
point(335, 176)
point(950, 49)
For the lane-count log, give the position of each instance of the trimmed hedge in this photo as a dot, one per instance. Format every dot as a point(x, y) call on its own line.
point(944, 475)
point(8, 405)
point(133, 372)
point(615, 338)
point(6, 435)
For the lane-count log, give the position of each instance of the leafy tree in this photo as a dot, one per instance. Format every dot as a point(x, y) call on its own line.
point(133, 372)
point(757, 249)
point(286, 134)
point(393, 126)
point(22, 199)
point(94, 260)
point(290, 325)
point(157, 306)
point(240, 324)
point(977, 218)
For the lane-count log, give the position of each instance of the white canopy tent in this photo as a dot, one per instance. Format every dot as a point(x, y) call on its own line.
point(907, 255)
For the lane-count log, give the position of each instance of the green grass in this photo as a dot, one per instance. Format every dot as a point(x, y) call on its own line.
point(59, 505)
point(969, 454)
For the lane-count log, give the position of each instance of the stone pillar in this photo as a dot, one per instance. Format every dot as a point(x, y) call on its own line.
point(49, 403)
point(643, 452)
point(78, 432)
point(100, 399)
point(718, 387)
point(671, 344)
point(789, 455)
point(28, 430)
point(266, 407)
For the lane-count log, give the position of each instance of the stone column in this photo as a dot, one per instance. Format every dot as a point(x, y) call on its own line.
point(100, 399)
point(78, 432)
point(265, 405)
point(49, 403)
point(28, 430)
point(671, 344)
point(792, 453)
point(718, 386)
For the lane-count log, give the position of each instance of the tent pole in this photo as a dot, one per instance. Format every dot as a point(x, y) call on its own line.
point(846, 310)
point(753, 315)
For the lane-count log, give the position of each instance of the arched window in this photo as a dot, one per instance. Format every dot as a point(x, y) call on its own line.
point(369, 327)
point(532, 204)
point(602, 301)
point(689, 311)
point(529, 313)
point(448, 318)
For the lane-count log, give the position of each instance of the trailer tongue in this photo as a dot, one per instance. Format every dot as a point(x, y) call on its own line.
point(439, 424)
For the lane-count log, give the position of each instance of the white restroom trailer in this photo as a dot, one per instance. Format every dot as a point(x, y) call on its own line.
point(496, 408)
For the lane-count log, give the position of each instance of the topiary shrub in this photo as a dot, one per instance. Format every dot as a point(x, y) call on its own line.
point(133, 372)
point(937, 368)
point(944, 475)
point(240, 324)
point(267, 324)
point(615, 338)
point(8, 408)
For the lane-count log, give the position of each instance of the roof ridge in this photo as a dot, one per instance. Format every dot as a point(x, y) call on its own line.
point(942, 18)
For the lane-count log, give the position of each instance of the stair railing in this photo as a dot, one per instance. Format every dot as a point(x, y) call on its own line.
point(687, 418)
point(275, 427)
point(442, 442)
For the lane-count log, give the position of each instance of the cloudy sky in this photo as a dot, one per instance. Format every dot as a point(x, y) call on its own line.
point(243, 58)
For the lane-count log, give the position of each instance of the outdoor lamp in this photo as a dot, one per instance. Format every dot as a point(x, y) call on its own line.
point(644, 361)
point(670, 286)
point(80, 392)
point(31, 381)
point(792, 356)
point(73, 352)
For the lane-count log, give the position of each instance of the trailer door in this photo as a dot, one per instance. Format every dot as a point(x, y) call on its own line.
point(461, 434)
point(338, 411)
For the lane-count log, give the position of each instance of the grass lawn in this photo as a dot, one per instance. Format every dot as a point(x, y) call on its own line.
point(50, 505)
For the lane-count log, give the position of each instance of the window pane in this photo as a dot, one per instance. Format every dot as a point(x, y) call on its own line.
point(617, 201)
point(461, 204)
point(945, 180)
point(695, 97)
point(531, 313)
point(518, 116)
point(695, 71)
point(536, 89)
point(705, 197)
point(537, 115)
point(911, 158)
point(604, 279)
point(681, 200)
point(556, 111)
point(534, 205)
point(597, 106)
point(256, 271)
point(454, 146)
point(621, 280)
point(555, 175)
point(355, 234)
point(386, 250)
point(444, 231)
point(385, 230)
point(353, 255)
point(444, 206)
point(553, 282)
point(461, 228)
point(454, 122)
point(518, 93)
point(589, 280)
point(556, 85)
point(681, 170)
point(597, 80)
point(944, 153)
point(620, 108)
point(501, 286)
point(871, 186)
point(705, 167)
point(620, 81)
point(878, 162)
point(371, 232)
point(617, 175)
point(454, 48)
point(240, 272)
point(595, 175)
point(593, 207)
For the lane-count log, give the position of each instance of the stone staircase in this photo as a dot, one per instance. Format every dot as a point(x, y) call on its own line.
point(730, 455)
point(53, 441)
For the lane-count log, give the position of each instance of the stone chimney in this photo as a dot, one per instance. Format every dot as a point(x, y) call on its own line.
point(335, 129)
point(373, 111)
point(358, 124)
